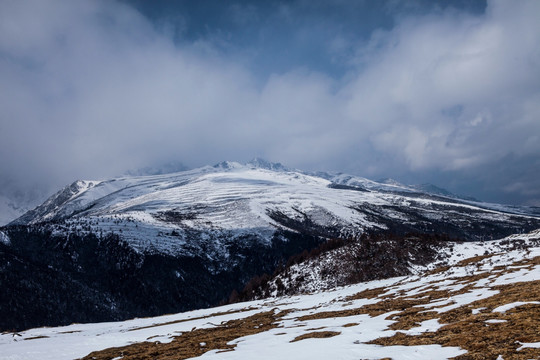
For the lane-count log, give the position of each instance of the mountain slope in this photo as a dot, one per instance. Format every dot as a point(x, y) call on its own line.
point(144, 246)
point(375, 257)
point(260, 197)
point(485, 306)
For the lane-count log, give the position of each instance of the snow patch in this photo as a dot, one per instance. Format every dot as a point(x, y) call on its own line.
point(4, 239)
point(535, 345)
point(506, 307)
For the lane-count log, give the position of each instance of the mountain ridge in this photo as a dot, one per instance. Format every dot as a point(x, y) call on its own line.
point(144, 246)
point(335, 179)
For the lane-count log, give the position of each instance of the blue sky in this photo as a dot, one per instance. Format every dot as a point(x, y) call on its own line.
point(446, 92)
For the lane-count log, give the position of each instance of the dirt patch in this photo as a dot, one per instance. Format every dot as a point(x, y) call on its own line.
point(333, 314)
point(193, 343)
point(407, 308)
point(191, 319)
point(316, 335)
point(438, 270)
point(474, 259)
point(367, 294)
point(37, 337)
point(314, 329)
point(527, 262)
point(472, 278)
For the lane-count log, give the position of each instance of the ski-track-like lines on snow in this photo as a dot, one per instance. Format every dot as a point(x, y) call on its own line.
point(241, 198)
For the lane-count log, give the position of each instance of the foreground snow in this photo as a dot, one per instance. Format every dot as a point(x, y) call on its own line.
point(346, 318)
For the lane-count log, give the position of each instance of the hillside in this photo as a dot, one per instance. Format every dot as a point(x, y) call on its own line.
point(137, 246)
point(372, 257)
point(484, 306)
point(161, 213)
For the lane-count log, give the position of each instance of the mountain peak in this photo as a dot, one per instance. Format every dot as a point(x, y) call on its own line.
point(49, 209)
point(265, 164)
point(255, 163)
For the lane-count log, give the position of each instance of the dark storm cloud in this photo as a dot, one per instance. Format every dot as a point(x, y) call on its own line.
point(92, 88)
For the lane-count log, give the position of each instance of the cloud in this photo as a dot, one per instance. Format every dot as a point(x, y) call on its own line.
point(486, 66)
point(93, 88)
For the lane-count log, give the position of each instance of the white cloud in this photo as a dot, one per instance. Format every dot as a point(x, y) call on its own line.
point(91, 88)
point(489, 66)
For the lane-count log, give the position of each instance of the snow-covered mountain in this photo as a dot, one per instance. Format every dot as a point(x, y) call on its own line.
point(376, 257)
point(232, 200)
point(484, 305)
point(149, 245)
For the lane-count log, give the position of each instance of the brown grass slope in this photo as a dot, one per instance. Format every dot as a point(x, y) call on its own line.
point(195, 342)
point(463, 327)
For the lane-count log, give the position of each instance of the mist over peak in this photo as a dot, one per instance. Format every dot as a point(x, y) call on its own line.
point(441, 92)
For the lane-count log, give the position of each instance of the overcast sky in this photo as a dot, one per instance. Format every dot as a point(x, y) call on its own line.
point(445, 92)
